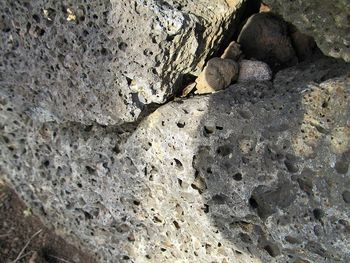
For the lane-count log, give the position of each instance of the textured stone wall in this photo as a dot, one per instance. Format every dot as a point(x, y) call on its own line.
point(104, 61)
point(258, 172)
point(327, 21)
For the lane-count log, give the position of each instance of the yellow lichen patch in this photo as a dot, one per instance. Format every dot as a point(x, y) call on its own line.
point(246, 145)
point(46, 14)
point(71, 16)
point(300, 148)
point(325, 116)
point(339, 139)
point(153, 119)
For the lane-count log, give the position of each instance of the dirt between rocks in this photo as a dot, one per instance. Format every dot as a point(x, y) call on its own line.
point(24, 238)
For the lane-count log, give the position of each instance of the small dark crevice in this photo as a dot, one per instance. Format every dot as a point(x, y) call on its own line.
point(247, 9)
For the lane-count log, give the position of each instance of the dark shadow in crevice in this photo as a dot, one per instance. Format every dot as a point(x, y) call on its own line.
point(247, 9)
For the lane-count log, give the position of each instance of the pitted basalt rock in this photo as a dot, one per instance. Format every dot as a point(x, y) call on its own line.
point(110, 194)
point(273, 180)
point(258, 172)
point(252, 173)
point(104, 61)
point(327, 22)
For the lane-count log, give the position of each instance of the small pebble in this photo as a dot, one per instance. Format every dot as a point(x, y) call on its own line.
point(217, 75)
point(250, 70)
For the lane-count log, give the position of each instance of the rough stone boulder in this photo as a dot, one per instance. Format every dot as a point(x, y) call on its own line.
point(327, 21)
point(104, 61)
point(258, 172)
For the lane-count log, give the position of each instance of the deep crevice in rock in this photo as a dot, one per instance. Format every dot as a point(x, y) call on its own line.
point(248, 8)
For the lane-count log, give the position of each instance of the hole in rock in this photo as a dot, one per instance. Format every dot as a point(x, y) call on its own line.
point(90, 169)
point(87, 215)
point(205, 208)
point(237, 177)
point(181, 124)
point(224, 150)
point(178, 164)
point(176, 224)
point(195, 187)
point(208, 130)
point(122, 46)
point(272, 250)
point(253, 203)
point(318, 213)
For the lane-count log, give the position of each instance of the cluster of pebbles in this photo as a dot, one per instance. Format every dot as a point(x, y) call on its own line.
point(265, 45)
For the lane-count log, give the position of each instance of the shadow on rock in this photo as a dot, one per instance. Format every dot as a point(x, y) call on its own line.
point(274, 164)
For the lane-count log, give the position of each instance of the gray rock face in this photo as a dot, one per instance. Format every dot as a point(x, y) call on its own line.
point(120, 198)
point(103, 61)
point(327, 21)
point(258, 172)
point(255, 173)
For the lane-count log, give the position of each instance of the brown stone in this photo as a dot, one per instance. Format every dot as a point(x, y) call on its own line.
point(233, 51)
point(217, 75)
point(304, 45)
point(265, 37)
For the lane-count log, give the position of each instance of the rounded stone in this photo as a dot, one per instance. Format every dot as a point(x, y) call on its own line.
point(250, 70)
point(265, 37)
point(217, 75)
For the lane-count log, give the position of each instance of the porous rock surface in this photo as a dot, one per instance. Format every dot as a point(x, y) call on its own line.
point(258, 172)
point(327, 21)
point(104, 61)
point(250, 70)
